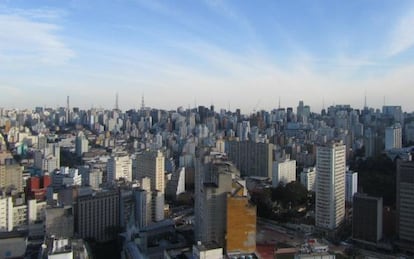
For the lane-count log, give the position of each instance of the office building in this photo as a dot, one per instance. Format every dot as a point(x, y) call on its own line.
point(405, 203)
point(253, 159)
point(308, 178)
point(367, 218)
point(219, 196)
point(151, 164)
point(6, 214)
point(97, 215)
point(284, 172)
point(11, 176)
point(81, 144)
point(351, 182)
point(393, 137)
point(330, 186)
point(241, 223)
point(119, 166)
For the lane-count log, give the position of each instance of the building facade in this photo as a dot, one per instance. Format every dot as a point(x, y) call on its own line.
point(151, 164)
point(119, 166)
point(330, 186)
point(367, 218)
point(97, 215)
point(351, 183)
point(253, 159)
point(284, 172)
point(405, 201)
point(308, 178)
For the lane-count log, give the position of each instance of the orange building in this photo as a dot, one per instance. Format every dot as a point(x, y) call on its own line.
point(241, 225)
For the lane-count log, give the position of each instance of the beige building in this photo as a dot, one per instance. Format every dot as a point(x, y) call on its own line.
point(11, 177)
point(151, 164)
point(119, 166)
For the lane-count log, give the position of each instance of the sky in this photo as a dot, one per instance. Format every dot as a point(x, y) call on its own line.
point(231, 54)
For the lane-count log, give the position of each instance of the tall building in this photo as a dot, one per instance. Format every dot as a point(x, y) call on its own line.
point(241, 223)
point(393, 137)
point(394, 112)
point(253, 159)
point(367, 218)
point(11, 176)
point(284, 172)
point(222, 213)
point(151, 164)
point(119, 166)
point(142, 208)
point(405, 203)
point(308, 178)
point(97, 215)
point(48, 159)
point(6, 214)
point(330, 185)
point(81, 144)
point(351, 183)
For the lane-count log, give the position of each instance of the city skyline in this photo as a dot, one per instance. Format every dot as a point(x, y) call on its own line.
point(230, 54)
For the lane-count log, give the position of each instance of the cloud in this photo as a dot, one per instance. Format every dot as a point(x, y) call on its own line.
point(27, 42)
point(402, 37)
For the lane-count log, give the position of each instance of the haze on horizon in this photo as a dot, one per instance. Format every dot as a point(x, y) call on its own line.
point(244, 54)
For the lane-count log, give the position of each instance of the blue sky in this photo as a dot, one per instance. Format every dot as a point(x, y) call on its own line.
point(245, 54)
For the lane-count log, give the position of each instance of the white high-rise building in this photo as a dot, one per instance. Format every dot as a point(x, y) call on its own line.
point(82, 144)
point(284, 172)
point(351, 185)
point(330, 185)
point(119, 167)
point(308, 178)
point(393, 137)
point(6, 214)
point(152, 164)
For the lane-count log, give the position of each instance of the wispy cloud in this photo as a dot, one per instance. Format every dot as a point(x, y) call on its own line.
point(402, 37)
point(28, 38)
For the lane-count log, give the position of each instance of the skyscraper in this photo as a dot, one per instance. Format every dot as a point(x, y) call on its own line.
point(119, 166)
point(330, 186)
point(351, 183)
point(308, 178)
point(367, 218)
point(405, 203)
point(151, 164)
point(253, 159)
point(284, 172)
point(393, 137)
point(212, 184)
point(81, 144)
